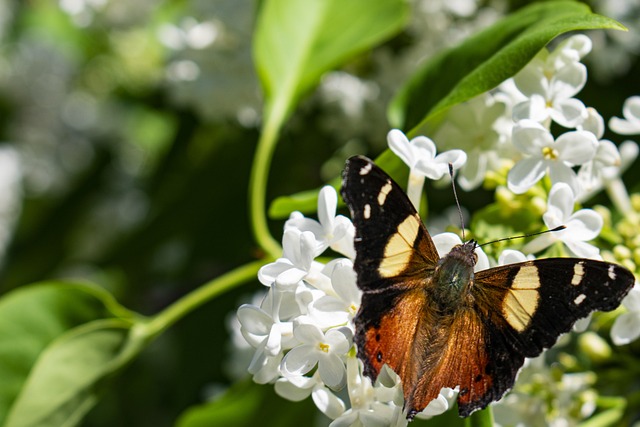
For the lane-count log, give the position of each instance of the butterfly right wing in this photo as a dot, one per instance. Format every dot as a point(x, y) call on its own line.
point(395, 259)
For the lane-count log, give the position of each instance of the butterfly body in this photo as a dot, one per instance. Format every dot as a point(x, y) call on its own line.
point(435, 321)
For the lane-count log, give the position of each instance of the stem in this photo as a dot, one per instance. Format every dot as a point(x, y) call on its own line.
point(201, 295)
point(414, 189)
point(260, 175)
point(483, 418)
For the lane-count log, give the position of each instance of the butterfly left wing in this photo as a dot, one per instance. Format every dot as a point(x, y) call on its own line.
point(395, 258)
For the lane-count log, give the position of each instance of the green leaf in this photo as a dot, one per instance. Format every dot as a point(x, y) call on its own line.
point(34, 316)
point(485, 60)
point(249, 404)
point(296, 41)
point(67, 378)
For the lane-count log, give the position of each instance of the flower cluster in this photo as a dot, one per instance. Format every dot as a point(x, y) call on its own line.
point(302, 331)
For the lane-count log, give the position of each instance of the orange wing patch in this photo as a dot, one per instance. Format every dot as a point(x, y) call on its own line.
point(457, 358)
point(395, 338)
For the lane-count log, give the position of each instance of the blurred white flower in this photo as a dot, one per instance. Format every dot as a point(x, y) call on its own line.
point(550, 81)
point(476, 127)
point(626, 327)
point(630, 125)
point(581, 226)
point(189, 34)
point(557, 157)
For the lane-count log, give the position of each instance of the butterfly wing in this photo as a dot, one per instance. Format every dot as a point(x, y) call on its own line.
point(391, 242)
point(539, 300)
point(395, 258)
point(517, 311)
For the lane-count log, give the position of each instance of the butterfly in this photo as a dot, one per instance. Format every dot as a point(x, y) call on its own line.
point(438, 324)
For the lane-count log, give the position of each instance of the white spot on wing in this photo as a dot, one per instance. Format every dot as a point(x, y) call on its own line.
point(367, 211)
point(578, 272)
point(382, 195)
point(365, 169)
point(611, 272)
point(579, 299)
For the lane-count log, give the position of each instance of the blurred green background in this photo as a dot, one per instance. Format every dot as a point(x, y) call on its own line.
point(127, 131)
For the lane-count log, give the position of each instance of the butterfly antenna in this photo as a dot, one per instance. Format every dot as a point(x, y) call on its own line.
point(561, 227)
point(455, 195)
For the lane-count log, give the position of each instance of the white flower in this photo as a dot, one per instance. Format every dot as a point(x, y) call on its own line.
point(297, 388)
point(341, 305)
point(550, 81)
point(322, 349)
point(476, 127)
point(626, 328)
point(446, 241)
point(420, 155)
point(298, 252)
point(546, 154)
point(268, 336)
point(330, 231)
point(630, 125)
point(581, 226)
point(365, 409)
point(511, 256)
point(606, 163)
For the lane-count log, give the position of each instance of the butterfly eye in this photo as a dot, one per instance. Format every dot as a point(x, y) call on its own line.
point(475, 258)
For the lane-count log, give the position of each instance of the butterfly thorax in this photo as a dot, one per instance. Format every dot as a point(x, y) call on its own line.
point(453, 276)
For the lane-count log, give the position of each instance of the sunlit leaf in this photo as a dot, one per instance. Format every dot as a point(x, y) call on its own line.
point(296, 41)
point(486, 59)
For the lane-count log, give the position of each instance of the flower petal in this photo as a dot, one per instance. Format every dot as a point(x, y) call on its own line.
point(308, 334)
point(327, 402)
point(254, 320)
point(567, 112)
point(525, 174)
point(445, 241)
point(584, 224)
point(399, 144)
point(583, 249)
point(295, 389)
point(560, 205)
point(626, 328)
point(327, 204)
point(568, 80)
point(631, 108)
point(530, 137)
point(332, 370)
point(299, 360)
point(534, 108)
point(632, 300)
point(560, 173)
point(576, 147)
